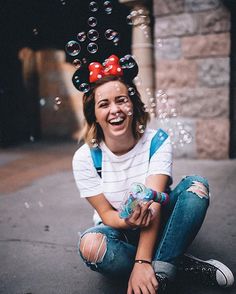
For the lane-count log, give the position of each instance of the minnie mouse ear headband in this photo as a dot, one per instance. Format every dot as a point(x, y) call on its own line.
point(125, 67)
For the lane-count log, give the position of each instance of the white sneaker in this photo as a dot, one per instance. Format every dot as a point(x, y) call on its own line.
point(210, 272)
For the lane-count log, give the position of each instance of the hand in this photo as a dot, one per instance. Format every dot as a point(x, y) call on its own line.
point(141, 216)
point(142, 280)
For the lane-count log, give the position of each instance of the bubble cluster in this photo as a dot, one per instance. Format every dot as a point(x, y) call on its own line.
point(73, 48)
point(140, 19)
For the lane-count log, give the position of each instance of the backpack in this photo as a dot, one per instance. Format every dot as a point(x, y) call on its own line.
point(158, 139)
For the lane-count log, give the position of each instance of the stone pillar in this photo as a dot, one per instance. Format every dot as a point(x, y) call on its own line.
point(142, 47)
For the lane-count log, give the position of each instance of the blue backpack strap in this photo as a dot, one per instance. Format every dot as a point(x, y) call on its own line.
point(96, 154)
point(157, 141)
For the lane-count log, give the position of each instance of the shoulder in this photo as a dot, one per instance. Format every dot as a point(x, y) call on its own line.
point(82, 154)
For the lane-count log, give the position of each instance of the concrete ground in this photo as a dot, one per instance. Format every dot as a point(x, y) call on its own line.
point(41, 216)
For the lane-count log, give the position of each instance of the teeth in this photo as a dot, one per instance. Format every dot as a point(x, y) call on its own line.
point(115, 120)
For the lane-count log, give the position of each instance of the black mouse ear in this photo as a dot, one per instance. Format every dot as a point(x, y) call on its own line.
point(129, 67)
point(80, 79)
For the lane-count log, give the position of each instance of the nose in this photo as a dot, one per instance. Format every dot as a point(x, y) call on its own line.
point(114, 108)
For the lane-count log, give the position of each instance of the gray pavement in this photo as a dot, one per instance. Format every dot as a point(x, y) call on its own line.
point(40, 221)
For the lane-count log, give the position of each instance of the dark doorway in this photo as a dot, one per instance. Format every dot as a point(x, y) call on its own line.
point(42, 25)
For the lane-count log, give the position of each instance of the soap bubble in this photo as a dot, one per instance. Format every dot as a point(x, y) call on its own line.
point(159, 43)
point(55, 107)
point(127, 62)
point(42, 101)
point(76, 80)
point(131, 91)
point(58, 100)
point(77, 63)
point(92, 48)
point(186, 137)
point(116, 38)
point(110, 34)
point(84, 87)
point(92, 21)
point(162, 96)
point(93, 35)
point(137, 81)
point(31, 138)
point(73, 48)
point(81, 36)
point(129, 19)
point(108, 7)
point(93, 6)
point(141, 129)
point(133, 13)
point(35, 31)
point(94, 143)
point(128, 110)
point(27, 205)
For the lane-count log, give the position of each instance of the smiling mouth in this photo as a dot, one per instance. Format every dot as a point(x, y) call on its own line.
point(116, 121)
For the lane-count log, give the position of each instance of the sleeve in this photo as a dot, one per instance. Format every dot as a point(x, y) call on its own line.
point(87, 180)
point(161, 161)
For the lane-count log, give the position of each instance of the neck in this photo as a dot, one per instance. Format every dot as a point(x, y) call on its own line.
point(121, 146)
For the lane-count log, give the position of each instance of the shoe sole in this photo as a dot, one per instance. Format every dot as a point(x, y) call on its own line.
point(226, 272)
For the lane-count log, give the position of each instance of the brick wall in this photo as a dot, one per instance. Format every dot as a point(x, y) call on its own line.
point(192, 66)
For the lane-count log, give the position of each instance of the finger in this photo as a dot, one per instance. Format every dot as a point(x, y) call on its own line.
point(145, 207)
point(154, 283)
point(144, 220)
point(151, 289)
point(129, 291)
point(144, 290)
point(136, 213)
point(149, 218)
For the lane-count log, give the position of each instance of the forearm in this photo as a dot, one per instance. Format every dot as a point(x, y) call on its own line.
point(148, 237)
point(112, 219)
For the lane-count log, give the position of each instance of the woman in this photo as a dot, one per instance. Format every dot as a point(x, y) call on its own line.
point(149, 245)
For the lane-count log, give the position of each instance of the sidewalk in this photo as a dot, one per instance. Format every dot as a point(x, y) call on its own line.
point(41, 215)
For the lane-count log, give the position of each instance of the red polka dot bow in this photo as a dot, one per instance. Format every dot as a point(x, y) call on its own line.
point(111, 67)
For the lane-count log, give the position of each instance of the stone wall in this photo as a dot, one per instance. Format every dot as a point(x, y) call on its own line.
point(192, 67)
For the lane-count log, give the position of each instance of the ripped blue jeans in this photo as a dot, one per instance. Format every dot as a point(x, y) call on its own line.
point(182, 219)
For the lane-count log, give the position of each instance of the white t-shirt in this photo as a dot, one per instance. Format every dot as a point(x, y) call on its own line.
point(119, 172)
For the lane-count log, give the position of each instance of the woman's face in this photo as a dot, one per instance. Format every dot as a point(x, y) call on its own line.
point(114, 110)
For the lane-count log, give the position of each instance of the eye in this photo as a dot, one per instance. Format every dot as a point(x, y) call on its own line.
point(103, 105)
point(122, 99)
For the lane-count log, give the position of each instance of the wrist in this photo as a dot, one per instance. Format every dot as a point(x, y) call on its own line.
point(141, 261)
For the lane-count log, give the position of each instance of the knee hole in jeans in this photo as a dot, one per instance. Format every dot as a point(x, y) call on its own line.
point(93, 247)
point(199, 189)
